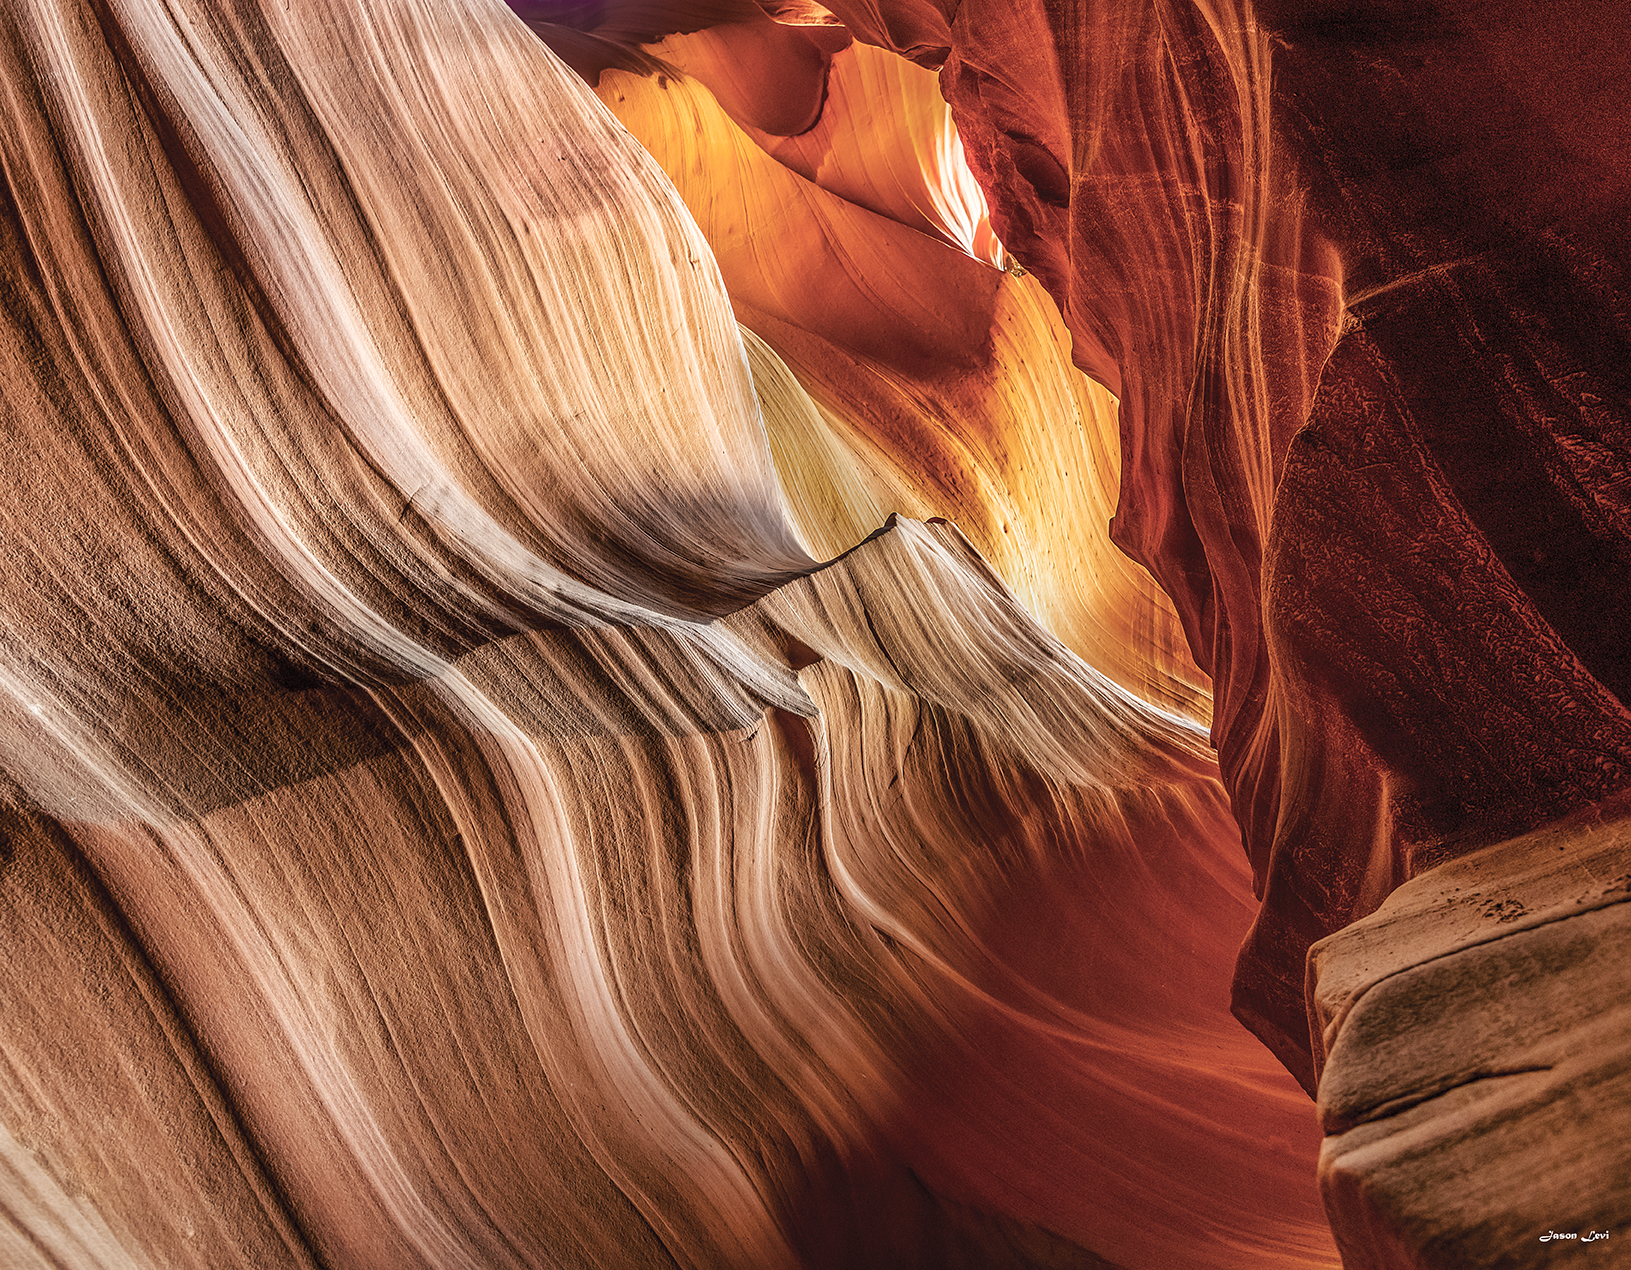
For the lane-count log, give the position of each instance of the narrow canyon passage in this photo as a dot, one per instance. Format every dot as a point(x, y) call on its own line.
point(763, 634)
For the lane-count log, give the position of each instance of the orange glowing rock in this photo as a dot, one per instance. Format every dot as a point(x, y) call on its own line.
point(939, 386)
point(452, 816)
point(606, 656)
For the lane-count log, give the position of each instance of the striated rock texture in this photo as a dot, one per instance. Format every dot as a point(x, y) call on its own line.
point(606, 651)
point(1357, 275)
point(1469, 1026)
point(488, 780)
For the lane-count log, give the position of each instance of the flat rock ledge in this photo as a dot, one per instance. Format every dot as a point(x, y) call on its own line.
point(1474, 1036)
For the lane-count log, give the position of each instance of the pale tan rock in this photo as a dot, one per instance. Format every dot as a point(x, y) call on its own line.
point(1475, 1034)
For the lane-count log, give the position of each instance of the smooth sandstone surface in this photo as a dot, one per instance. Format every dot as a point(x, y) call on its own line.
point(1468, 1026)
point(454, 817)
point(1358, 278)
point(610, 613)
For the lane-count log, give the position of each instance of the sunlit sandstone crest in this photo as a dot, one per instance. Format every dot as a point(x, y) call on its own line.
point(611, 612)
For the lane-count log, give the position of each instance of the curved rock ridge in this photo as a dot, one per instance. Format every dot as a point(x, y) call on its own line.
point(1358, 280)
point(883, 138)
point(698, 970)
point(449, 816)
point(936, 385)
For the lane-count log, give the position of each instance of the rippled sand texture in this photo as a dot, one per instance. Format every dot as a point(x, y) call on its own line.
point(452, 816)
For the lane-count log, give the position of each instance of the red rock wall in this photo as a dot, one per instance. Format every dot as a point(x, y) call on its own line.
point(1358, 278)
point(453, 817)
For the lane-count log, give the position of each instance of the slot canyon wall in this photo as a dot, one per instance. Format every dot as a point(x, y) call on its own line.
point(742, 635)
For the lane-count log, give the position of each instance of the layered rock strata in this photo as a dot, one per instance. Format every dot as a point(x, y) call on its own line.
point(1356, 278)
point(453, 816)
point(1469, 1027)
point(481, 788)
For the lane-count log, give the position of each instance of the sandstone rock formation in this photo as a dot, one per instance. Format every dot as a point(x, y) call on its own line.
point(611, 611)
point(1473, 1032)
